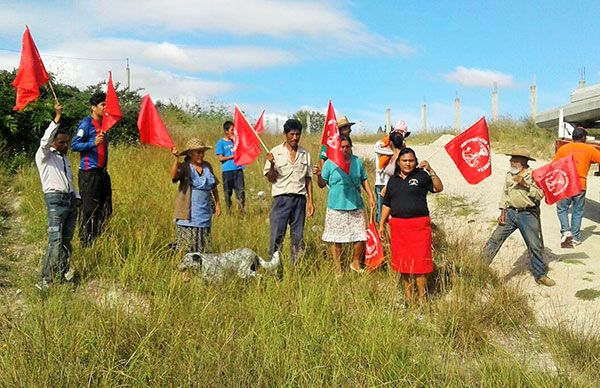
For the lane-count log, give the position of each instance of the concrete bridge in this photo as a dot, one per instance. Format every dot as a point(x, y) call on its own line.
point(583, 110)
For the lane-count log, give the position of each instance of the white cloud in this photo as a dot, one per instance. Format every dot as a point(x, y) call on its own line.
point(473, 77)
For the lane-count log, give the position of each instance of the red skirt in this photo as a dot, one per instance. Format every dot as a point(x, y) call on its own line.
point(411, 245)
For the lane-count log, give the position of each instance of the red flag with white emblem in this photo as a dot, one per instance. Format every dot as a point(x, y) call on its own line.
point(331, 139)
point(31, 74)
point(558, 179)
point(112, 109)
point(471, 153)
point(246, 146)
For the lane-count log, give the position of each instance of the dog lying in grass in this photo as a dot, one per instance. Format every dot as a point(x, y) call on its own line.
point(243, 262)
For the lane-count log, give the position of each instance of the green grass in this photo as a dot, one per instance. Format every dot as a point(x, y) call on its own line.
point(305, 329)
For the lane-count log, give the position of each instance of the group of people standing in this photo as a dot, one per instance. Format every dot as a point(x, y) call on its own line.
point(402, 184)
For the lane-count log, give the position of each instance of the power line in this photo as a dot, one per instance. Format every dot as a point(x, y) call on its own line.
point(76, 58)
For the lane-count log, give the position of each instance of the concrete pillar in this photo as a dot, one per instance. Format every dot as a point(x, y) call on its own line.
point(561, 124)
point(308, 122)
point(582, 78)
point(424, 117)
point(457, 113)
point(533, 100)
point(388, 120)
point(277, 125)
point(495, 103)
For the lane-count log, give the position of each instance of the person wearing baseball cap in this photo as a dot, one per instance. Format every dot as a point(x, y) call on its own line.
point(520, 209)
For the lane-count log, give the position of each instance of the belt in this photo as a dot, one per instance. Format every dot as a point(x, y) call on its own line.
point(95, 169)
point(524, 209)
point(289, 195)
point(61, 194)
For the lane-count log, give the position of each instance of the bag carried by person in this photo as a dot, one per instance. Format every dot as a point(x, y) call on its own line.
point(374, 256)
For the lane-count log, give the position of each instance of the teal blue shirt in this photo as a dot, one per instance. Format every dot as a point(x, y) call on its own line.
point(344, 190)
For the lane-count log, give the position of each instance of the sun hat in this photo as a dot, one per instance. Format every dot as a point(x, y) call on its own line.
point(343, 122)
point(194, 144)
point(401, 127)
point(520, 151)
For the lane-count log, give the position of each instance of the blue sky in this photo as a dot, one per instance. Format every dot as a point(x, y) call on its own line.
point(286, 55)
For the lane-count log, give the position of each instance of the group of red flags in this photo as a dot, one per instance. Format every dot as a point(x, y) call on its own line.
point(470, 150)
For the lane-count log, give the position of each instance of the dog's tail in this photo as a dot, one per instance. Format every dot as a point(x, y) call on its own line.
point(272, 264)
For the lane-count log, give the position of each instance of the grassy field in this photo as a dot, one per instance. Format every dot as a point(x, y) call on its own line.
point(132, 321)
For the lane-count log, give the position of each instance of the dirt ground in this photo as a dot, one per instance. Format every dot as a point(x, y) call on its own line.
point(574, 270)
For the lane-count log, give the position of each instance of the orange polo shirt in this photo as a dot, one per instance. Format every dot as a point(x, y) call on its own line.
point(584, 155)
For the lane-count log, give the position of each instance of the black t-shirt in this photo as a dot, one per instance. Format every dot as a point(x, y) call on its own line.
point(407, 198)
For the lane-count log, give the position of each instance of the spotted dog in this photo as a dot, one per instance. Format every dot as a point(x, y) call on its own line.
point(243, 262)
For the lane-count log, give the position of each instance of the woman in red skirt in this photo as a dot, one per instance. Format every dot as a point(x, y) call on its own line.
point(405, 207)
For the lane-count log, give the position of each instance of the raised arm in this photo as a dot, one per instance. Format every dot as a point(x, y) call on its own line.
point(438, 186)
point(175, 166)
point(48, 138)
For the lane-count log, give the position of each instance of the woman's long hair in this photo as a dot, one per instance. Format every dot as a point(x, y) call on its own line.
point(405, 151)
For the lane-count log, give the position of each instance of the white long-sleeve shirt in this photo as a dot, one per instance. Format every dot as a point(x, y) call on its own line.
point(381, 178)
point(55, 169)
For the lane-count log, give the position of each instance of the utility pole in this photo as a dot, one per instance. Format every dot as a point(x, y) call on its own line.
point(495, 103)
point(533, 99)
point(128, 75)
point(388, 120)
point(424, 116)
point(457, 112)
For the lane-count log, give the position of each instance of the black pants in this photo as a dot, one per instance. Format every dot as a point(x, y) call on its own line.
point(96, 203)
point(234, 180)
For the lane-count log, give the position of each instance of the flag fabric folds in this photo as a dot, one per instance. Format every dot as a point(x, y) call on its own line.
point(246, 146)
point(471, 153)
point(31, 74)
point(558, 180)
point(151, 127)
point(112, 109)
point(259, 127)
point(374, 256)
point(331, 140)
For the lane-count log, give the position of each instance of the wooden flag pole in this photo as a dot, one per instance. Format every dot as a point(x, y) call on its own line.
point(259, 139)
point(434, 153)
point(53, 92)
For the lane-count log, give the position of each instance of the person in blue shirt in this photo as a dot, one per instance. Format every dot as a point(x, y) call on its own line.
point(345, 217)
point(94, 182)
point(232, 174)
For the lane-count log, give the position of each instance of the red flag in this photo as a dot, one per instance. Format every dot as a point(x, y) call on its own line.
point(331, 139)
point(31, 74)
point(259, 127)
point(373, 251)
point(471, 153)
point(112, 110)
point(246, 147)
point(558, 179)
point(152, 129)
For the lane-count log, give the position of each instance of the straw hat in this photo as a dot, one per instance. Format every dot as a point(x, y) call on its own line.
point(521, 151)
point(194, 144)
point(343, 122)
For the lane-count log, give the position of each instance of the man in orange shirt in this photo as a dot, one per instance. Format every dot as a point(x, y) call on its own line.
point(584, 155)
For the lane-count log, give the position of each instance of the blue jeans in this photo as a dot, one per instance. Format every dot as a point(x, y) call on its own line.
point(62, 217)
point(234, 180)
point(528, 224)
point(562, 210)
point(379, 199)
point(287, 209)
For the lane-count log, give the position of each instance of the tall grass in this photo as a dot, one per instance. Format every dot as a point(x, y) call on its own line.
point(132, 321)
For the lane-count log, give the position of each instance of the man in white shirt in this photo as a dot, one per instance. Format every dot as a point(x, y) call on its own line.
point(61, 200)
point(289, 171)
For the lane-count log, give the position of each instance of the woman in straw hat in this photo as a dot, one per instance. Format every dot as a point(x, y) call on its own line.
point(195, 197)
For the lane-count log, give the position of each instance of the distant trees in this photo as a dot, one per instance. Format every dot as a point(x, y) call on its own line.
point(317, 120)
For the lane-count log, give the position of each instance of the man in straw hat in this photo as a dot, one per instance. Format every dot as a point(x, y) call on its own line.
point(519, 209)
point(344, 129)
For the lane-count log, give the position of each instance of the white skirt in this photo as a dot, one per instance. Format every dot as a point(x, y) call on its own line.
point(344, 226)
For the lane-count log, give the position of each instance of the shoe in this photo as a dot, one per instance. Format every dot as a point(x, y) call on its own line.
point(575, 242)
point(566, 240)
point(357, 270)
point(42, 285)
point(545, 281)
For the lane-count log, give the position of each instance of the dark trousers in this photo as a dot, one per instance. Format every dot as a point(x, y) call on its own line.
point(528, 224)
point(287, 209)
point(62, 216)
point(234, 180)
point(96, 203)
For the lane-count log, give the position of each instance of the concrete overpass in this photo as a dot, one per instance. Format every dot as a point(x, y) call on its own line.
point(584, 110)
